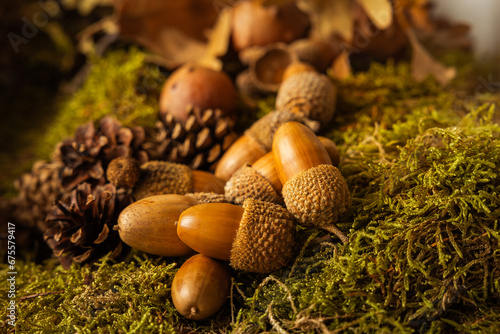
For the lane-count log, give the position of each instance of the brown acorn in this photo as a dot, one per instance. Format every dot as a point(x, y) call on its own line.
point(163, 177)
point(199, 88)
point(200, 287)
point(149, 224)
point(261, 180)
point(255, 142)
point(257, 237)
point(254, 24)
point(314, 191)
point(309, 94)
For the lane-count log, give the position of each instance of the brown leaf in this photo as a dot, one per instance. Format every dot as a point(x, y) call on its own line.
point(329, 18)
point(423, 64)
point(379, 12)
point(176, 30)
point(218, 41)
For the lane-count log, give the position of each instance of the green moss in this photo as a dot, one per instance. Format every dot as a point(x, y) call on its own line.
point(422, 165)
point(119, 84)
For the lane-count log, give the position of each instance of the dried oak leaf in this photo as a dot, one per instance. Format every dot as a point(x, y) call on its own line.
point(423, 64)
point(329, 18)
point(175, 30)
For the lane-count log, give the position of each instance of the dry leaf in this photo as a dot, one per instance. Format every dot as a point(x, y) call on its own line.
point(329, 18)
point(85, 7)
point(176, 30)
point(423, 64)
point(218, 42)
point(379, 12)
point(341, 67)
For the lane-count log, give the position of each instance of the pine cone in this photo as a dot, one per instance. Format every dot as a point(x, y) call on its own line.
point(85, 158)
point(80, 226)
point(198, 144)
point(37, 192)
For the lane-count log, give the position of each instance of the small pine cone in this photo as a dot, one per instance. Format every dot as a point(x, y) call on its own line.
point(199, 143)
point(245, 183)
point(38, 191)
point(86, 157)
point(80, 226)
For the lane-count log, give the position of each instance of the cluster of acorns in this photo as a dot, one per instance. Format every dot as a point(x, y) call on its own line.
point(257, 236)
point(279, 173)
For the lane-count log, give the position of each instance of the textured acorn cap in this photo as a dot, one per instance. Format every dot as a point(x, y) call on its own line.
point(245, 183)
point(317, 197)
point(163, 177)
point(265, 238)
point(263, 130)
point(309, 94)
point(123, 172)
point(203, 197)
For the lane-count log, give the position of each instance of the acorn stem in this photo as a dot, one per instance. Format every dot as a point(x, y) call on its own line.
point(332, 228)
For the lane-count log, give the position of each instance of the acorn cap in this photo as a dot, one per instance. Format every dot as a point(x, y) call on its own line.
point(263, 129)
point(309, 94)
point(203, 197)
point(265, 238)
point(317, 197)
point(248, 183)
point(123, 172)
point(163, 177)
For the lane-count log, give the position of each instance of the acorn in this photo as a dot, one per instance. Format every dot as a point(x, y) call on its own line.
point(261, 180)
point(200, 287)
point(314, 191)
point(316, 53)
point(255, 142)
point(254, 24)
point(198, 88)
point(309, 94)
point(257, 237)
point(295, 68)
point(164, 177)
point(149, 224)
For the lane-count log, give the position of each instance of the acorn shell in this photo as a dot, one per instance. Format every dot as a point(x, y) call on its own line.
point(265, 238)
point(149, 224)
point(200, 287)
point(248, 183)
point(309, 94)
point(317, 196)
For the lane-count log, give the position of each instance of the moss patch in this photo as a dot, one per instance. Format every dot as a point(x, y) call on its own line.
point(421, 162)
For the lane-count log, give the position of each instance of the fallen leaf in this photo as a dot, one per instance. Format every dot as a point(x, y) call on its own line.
point(176, 30)
point(329, 18)
point(341, 67)
point(379, 11)
point(423, 64)
point(218, 41)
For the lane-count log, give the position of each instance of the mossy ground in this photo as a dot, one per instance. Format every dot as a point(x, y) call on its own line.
point(421, 162)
